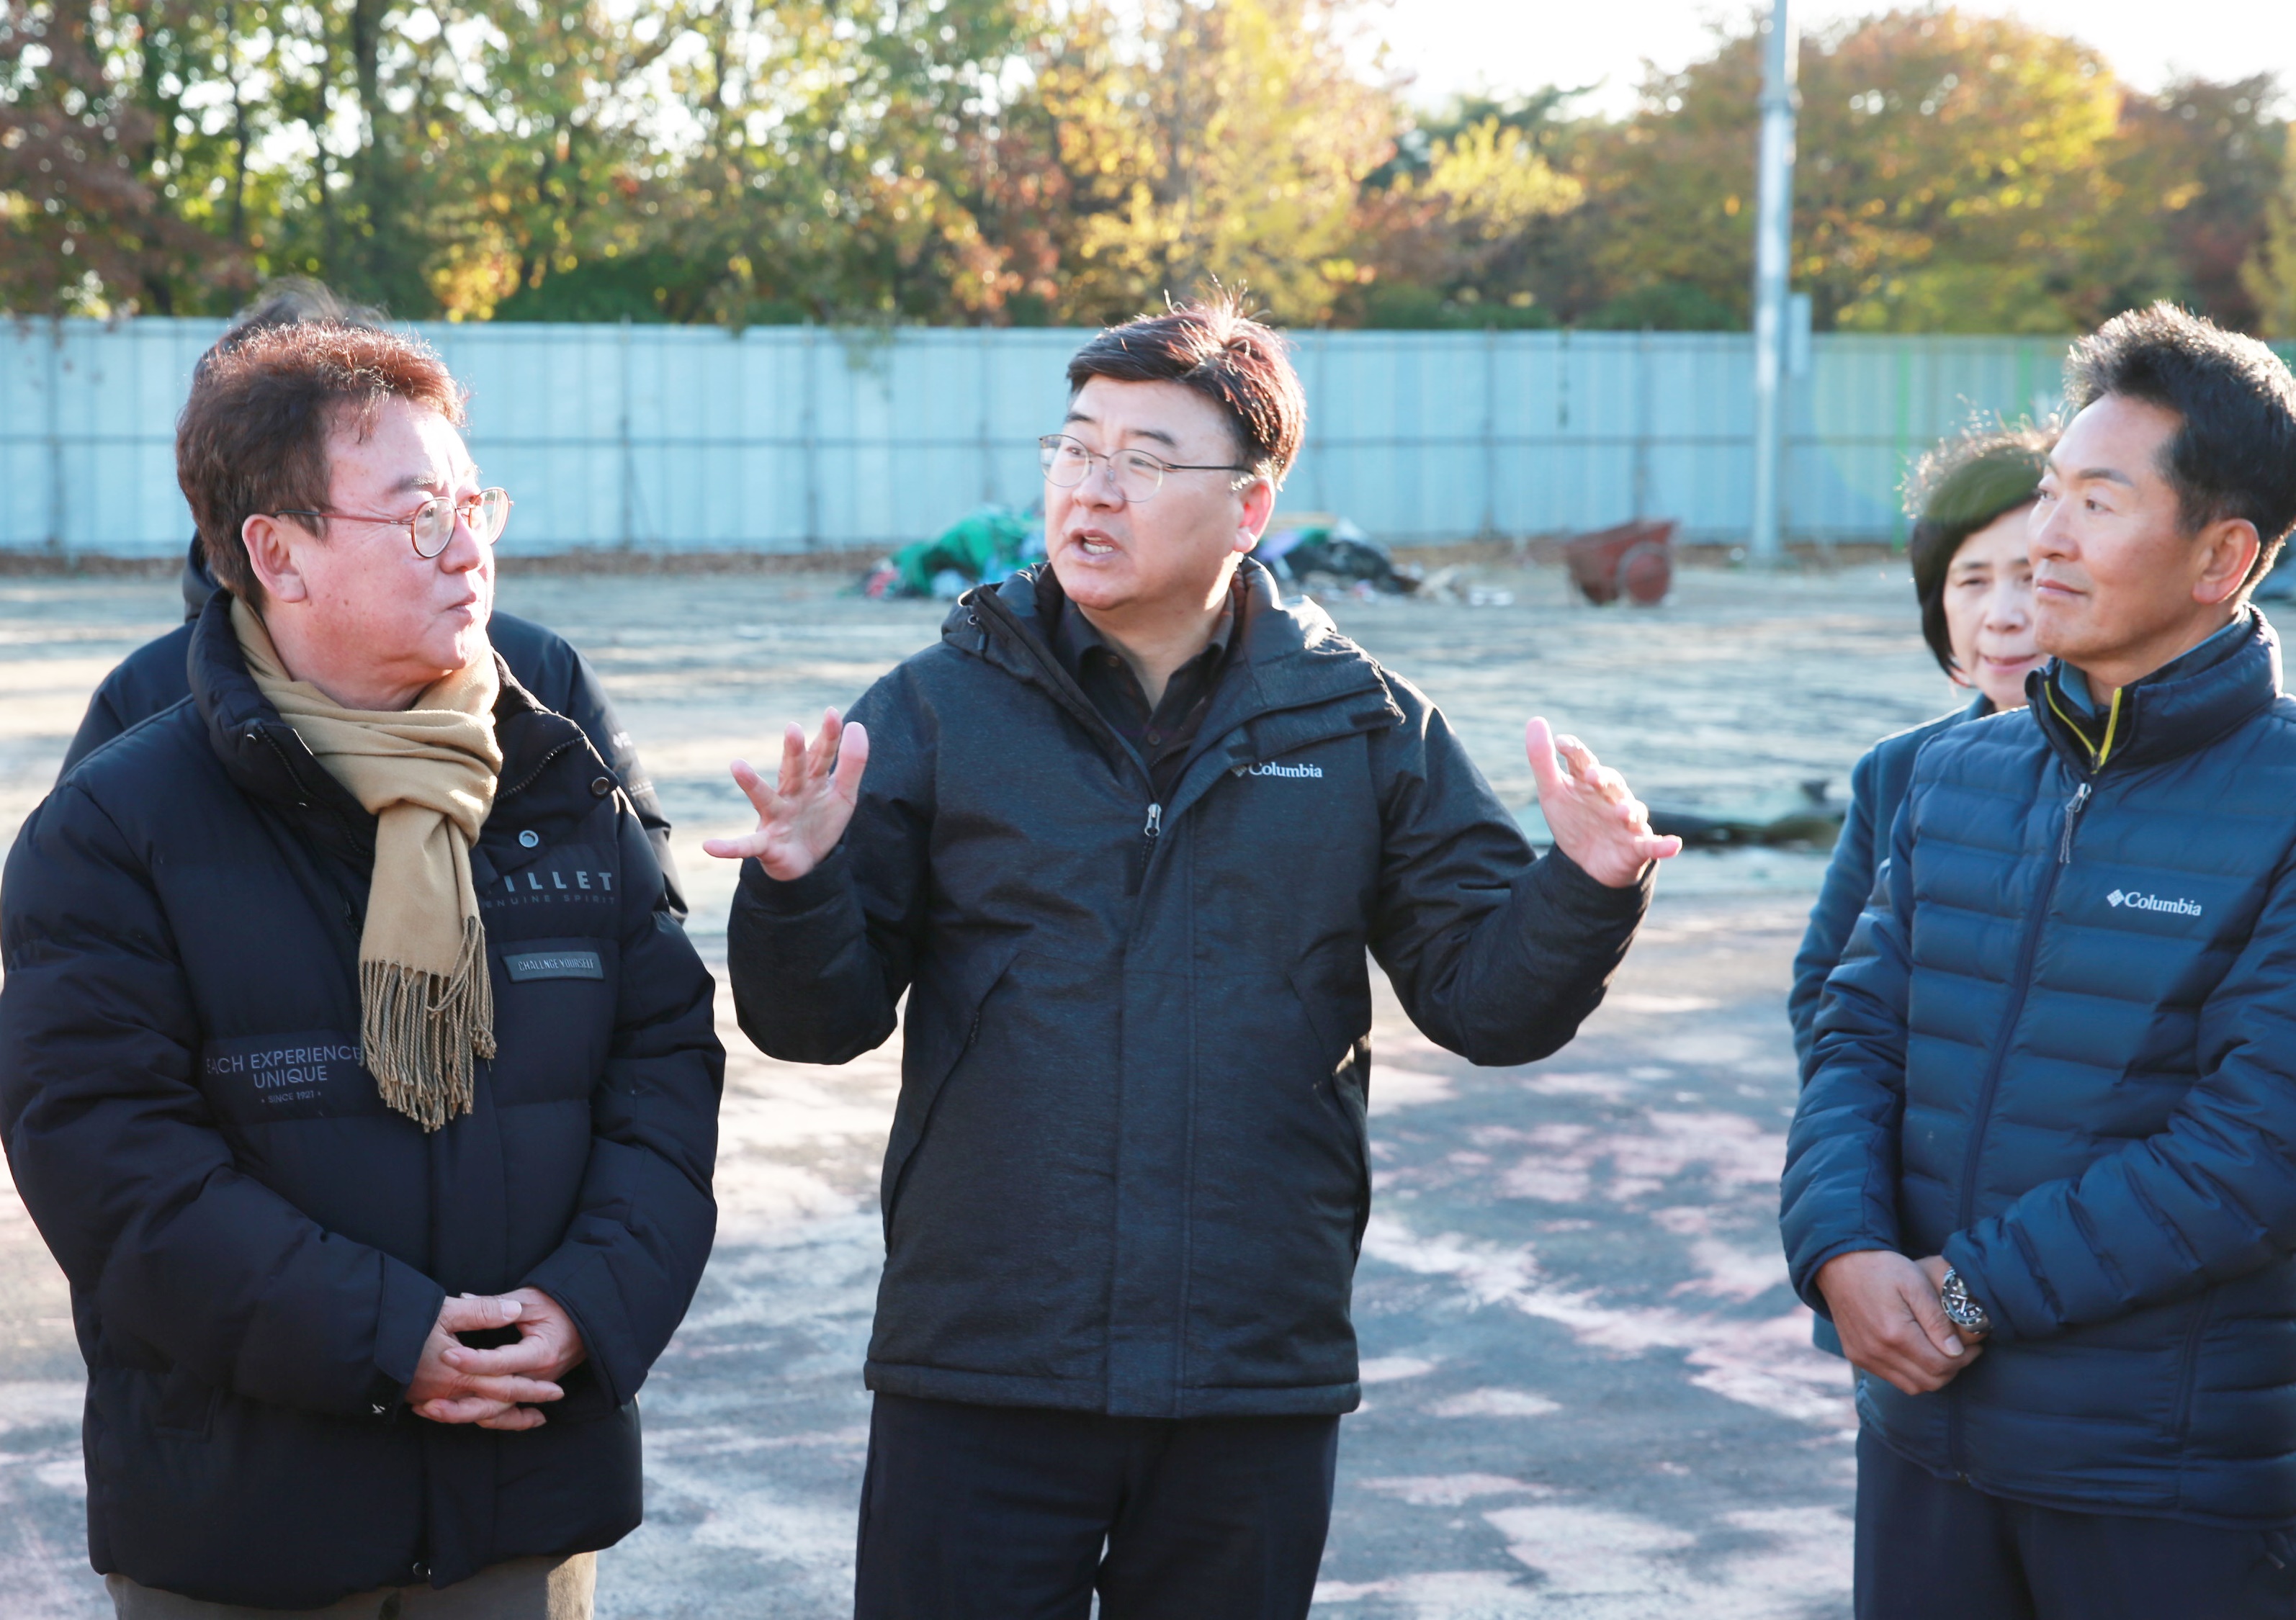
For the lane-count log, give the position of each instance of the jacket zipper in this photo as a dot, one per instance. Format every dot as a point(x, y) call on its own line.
point(287, 764)
point(1064, 692)
point(542, 765)
point(2074, 806)
point(1149, 834)
point(2020, 984)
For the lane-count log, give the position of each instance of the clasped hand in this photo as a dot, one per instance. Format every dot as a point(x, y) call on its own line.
point(501, 1389)
point(1891, 1321)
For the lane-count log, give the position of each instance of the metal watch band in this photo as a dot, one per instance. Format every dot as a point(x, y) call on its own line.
point(1960, 1309)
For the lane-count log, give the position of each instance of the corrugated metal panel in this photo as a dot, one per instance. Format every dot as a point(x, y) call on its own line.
point(787, 439)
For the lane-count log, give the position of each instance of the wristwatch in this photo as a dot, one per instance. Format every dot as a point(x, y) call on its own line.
point(1960, 1309)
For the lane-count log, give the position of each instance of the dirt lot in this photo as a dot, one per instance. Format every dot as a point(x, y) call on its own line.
point(1590, 1392)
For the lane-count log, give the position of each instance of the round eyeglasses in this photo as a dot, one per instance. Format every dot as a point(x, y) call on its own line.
point(1138, 475)
point(430, 527)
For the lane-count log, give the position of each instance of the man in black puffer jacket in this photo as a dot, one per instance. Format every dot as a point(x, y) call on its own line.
point(2043, 1175)
point(156, 675)
point(275, 1224)
point(1125, 836)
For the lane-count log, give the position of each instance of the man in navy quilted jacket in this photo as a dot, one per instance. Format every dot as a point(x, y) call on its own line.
point(2044, 1177)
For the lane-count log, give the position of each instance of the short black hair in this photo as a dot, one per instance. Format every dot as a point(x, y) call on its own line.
point(1966, 483)
point(1214, 348)
point(2235, 455)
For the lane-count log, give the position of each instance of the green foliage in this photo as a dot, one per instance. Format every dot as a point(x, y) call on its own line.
point(1034, 161)
point(1667, 306)
point(1223, 143)
point(2269, 277)
point(104, 183)
point(2193, 172)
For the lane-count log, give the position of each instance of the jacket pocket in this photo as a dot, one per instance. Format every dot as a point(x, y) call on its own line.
point(2188, 1364)
point(186, 1406)
point(1279, 1188)
point(1337, 1007)
point(1334, 994)
point(942, 1023)
point(555, 999)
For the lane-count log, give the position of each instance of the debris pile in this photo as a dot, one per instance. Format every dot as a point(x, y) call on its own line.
point(1326, 555)
point(980, 549)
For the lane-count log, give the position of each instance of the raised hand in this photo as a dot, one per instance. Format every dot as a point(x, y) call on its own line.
point(800, 818)
point(1890, 1321)
point(446, 1391)
point(1595, 820)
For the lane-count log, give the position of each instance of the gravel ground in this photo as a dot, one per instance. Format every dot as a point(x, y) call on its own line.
point(1590, 1392)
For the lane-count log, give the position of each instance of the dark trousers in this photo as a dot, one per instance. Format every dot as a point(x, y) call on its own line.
point(1019, 1513)
point(1929, 1547)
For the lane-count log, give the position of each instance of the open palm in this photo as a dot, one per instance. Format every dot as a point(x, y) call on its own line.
point(800, 817)
point(1595, 819)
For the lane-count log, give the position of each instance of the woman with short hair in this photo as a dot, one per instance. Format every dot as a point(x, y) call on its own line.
point(1968, 498)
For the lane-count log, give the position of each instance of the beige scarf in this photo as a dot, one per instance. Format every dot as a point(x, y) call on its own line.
point(427, 774)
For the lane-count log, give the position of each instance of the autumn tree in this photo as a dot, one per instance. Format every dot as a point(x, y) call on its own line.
point(97, 215)
point(1466, 225)
point(2269, 277)
point(1078, 161)
point(2192, 171)
point(1195, 143)
point(1946, 163)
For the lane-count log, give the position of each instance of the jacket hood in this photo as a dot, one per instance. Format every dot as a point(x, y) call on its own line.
point(2181, 707)
point(199, 584)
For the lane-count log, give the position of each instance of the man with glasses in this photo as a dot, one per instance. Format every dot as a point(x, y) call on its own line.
point(351, 1063)
point(153, 676)
point(1124, 837)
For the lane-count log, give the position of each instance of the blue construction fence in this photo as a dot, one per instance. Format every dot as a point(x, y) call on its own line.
point(780, 439)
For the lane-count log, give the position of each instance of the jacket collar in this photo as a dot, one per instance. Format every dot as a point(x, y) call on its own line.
point(261, 753)
point(266, 760)
point(1291, 681)
point(197, 584)
point(1293, 655)
point(2181, 707)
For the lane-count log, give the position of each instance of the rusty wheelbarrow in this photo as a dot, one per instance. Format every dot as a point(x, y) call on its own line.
point(1634, 560)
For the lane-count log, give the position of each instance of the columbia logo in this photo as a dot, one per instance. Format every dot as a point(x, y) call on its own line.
point(2153, 903)
point(1272, 769)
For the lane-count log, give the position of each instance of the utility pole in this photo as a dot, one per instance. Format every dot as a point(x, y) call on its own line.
point(1773, 247)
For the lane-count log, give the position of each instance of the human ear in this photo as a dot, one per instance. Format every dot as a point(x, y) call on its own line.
point(1258, 499)
point(271, 545)
point(2229, 549)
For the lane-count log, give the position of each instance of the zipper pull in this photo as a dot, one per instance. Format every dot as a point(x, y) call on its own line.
point(1149, 834)
point(2073, 807)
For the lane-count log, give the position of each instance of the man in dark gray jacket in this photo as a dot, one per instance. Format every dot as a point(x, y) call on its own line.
point(1124, 837)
